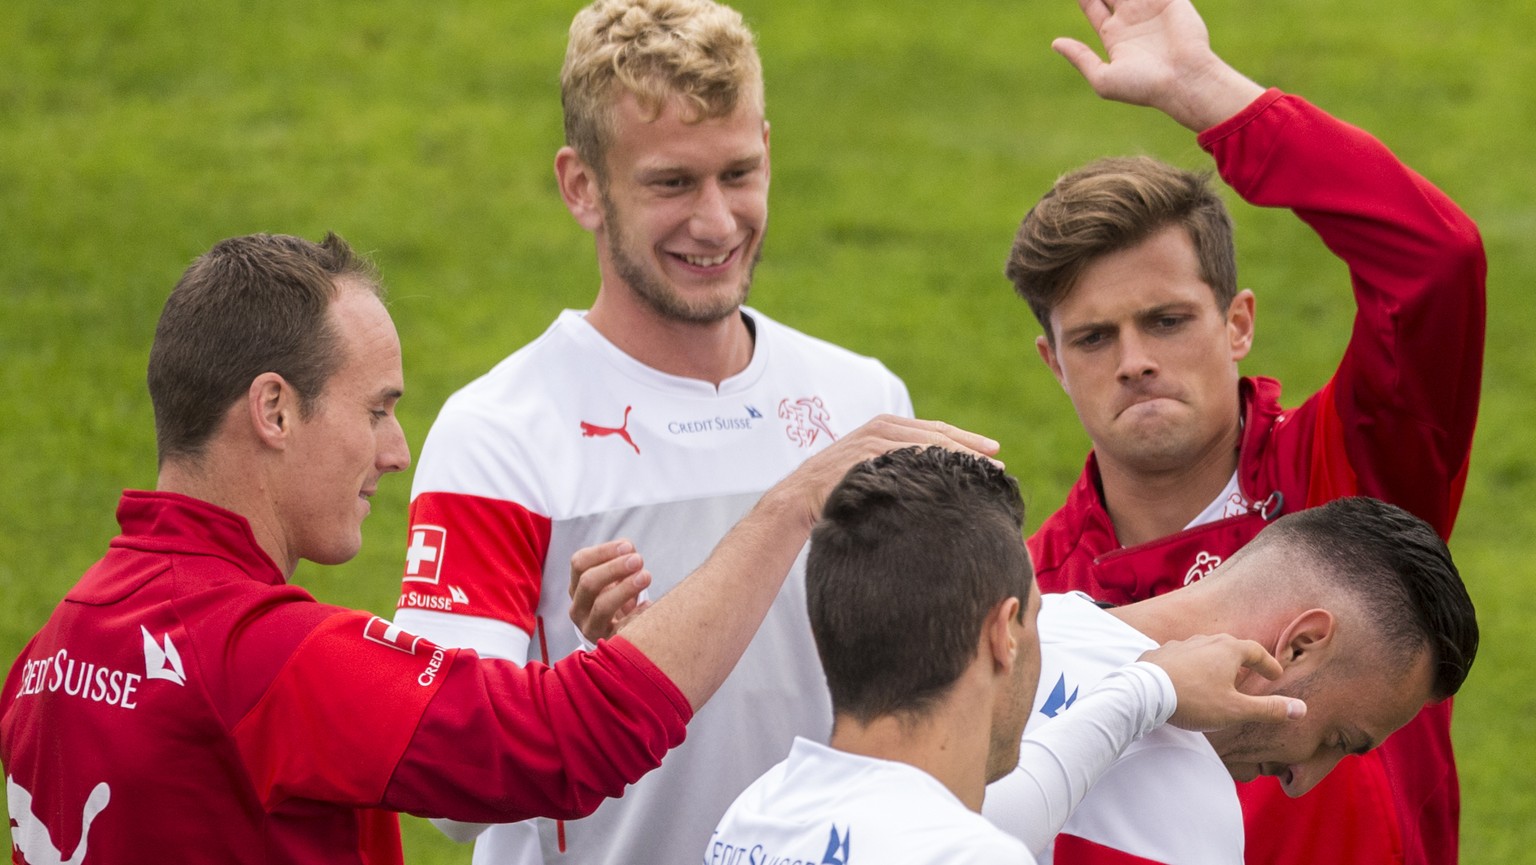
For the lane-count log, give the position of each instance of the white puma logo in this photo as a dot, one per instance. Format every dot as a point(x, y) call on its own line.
point(31, 836)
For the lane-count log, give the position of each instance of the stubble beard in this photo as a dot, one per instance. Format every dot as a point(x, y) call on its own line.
point(652, 290)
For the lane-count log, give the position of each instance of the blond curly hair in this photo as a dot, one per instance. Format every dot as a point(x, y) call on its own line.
point(696, 50)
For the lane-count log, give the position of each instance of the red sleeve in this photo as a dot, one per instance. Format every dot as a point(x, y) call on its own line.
point(1403, 403)
point(476, 556)
point(501, 742)
point(1072, 850)
point(340, 711)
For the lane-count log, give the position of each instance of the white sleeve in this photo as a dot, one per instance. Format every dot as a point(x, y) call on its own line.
point(490, 638)
point(1060, 760)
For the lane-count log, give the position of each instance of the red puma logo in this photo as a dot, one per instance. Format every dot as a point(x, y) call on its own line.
point(589, 430)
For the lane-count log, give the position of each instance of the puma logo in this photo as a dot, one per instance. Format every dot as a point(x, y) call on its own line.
point(31, 835)
point(591, 430)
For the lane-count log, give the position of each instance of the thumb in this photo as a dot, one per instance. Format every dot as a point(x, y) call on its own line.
point(1276, 709)
point(1082, 58)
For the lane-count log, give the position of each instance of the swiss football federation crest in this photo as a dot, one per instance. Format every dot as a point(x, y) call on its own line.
point(807, 419)
point(592, 430)
point(425, 553)
point(1204, 564)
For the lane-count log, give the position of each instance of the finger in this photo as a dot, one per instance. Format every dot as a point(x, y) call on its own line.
point(587, 558)
point(899, 431)
point(608, 608)
point(629, 616)
point(1096, 11)
point(593, 582)
point(1273, 709)
point(1257, 659)
point(1084, 59)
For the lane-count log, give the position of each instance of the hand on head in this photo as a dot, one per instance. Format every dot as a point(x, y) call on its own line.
point(813, 481)
point(1207, 672)
point(607, 579)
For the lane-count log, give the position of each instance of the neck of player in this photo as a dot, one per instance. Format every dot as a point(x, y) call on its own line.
point(1146, 504)
point(708, 351)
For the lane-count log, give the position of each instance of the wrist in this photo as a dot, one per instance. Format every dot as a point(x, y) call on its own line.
point(1213, 96)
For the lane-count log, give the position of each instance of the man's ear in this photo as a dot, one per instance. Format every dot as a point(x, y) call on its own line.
point(1240, 324)
point(579, 189)
point(272, 406)
point(767, 154)
point(998, 634)
point(1307, 641)
point(1048, 354)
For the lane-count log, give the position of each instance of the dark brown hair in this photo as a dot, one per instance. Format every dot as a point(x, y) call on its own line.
point(914, 549)
point(249, 305)
point(1110, 205)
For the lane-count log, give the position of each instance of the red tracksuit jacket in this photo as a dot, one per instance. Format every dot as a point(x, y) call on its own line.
point(1395, 422)
point(184, 704)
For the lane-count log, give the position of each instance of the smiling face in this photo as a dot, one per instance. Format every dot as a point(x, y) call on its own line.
point(682, 208)
point(350, 439)
point(1147, 358)
point(1347, 713)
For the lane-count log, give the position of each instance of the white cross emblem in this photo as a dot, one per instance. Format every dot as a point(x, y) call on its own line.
point(426, 548)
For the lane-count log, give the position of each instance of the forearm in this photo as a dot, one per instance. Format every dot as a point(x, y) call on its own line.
point(697, 632)
point(501, 743)
point(1060, 761)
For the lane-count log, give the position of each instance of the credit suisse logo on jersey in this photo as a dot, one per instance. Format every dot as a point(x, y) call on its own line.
point(423, 564)
point(717, 423)
point(731, 852)
point(62, 673)
point(807, 420)
point(386, 633)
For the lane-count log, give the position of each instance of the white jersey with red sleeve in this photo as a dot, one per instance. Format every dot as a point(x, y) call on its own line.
point(1167, 800)
point(570, 442)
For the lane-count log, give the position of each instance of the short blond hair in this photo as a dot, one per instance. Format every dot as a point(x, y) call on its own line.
point(698, 50)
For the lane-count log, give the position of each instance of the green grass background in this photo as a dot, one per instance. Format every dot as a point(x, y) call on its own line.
point(908, 139)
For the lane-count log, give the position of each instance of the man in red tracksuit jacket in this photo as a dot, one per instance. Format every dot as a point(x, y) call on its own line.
point(1121, 262)
point(184, 703)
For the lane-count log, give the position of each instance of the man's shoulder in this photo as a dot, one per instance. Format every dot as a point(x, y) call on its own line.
point(538, 370)
point(790, 345)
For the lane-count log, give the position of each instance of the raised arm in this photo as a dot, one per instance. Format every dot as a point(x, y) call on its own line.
point(1159, 56)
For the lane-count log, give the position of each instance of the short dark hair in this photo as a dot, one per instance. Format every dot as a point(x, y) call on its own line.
point(1110, 205)
point(249, 305)
point(913, 550)
point(1402, 573)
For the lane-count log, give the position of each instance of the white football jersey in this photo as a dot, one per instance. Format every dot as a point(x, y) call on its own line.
point(1168, 798)
point(570, 442)
point(822, 805)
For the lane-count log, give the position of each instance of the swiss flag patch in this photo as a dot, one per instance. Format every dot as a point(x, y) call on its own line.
point(387, 633)
point(424, 554)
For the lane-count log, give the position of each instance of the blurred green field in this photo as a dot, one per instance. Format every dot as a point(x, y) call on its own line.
point(908, 139)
